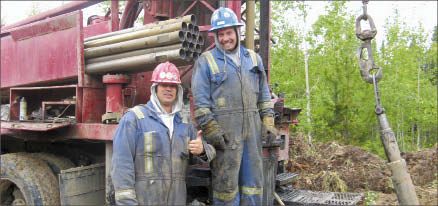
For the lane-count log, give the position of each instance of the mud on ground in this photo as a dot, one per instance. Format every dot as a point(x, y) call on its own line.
point(344, 168)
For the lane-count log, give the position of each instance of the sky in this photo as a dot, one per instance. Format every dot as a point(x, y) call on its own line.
point(412, 12)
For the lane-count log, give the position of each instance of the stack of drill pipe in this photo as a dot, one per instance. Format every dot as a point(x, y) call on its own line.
point(141, 49)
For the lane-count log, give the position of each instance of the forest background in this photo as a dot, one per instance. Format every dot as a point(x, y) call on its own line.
point(336, 103)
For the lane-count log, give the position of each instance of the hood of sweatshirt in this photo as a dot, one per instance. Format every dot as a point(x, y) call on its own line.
point(234, 54)
point(177, 105)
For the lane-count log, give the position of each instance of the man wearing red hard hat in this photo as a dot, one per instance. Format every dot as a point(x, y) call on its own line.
point(151, 146)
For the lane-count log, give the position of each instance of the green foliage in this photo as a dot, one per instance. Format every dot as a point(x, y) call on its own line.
point(407, 81)
point(333, 72)
point(342, 103)
point(370, 198)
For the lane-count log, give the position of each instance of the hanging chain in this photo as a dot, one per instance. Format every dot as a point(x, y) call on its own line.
point(364, 7)
point(367, 64)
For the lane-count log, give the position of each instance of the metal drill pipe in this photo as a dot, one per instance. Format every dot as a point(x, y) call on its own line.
point(188, 56)
point(191, 28)
point(195, 56)
point(194, 38)
point(185, 45)
point(137, 34)
point(188, 19)
point(146, 42)
point(198, 48)
point(139, 63)
point(188, 36)
point(134, 53)
point(196, 30)
point(192, 47)
point(192, 55)
point(200, 40)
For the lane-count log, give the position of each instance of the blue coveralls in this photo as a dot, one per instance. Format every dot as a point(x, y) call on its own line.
point(147, 167)
point(236, 98)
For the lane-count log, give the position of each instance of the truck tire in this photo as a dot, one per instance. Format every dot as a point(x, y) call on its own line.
point(25, 180)
point(56, 163)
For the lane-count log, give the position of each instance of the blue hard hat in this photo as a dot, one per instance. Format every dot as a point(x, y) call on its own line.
point(223, 17)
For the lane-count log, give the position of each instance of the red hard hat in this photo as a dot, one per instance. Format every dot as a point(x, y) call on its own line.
point(166, 73)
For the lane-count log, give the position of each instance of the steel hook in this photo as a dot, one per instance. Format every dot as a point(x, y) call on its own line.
point(365, 71)
point(367, 65)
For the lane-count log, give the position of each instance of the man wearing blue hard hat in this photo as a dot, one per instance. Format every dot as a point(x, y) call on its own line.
point(231, 100)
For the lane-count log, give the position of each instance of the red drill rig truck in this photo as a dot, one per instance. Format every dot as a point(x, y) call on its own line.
point(58, 120)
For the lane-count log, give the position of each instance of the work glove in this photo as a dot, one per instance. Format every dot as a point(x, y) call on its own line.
point(214, 135)
point(269, 132)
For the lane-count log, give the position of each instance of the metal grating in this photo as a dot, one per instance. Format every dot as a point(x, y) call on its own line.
point(305, 197)
point(285, 178)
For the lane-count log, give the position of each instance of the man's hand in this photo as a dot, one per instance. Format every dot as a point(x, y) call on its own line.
point(214, 135)
point(269, 132)
point(195, 146)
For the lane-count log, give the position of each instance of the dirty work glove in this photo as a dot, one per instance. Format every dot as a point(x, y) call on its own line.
point(269, 132)
point(214, 134)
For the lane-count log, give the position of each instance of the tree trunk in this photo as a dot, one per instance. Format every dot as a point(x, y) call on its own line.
point(306, 68)
point(418, 112)
point(413, 136)
point(418, 137)
point(402, 133)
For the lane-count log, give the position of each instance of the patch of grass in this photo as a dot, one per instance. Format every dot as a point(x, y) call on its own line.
point(370, 198)
point(312, 153)
point(331, 182)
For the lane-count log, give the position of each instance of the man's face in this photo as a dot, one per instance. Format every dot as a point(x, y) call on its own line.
point(227, 38)
point(166, 93)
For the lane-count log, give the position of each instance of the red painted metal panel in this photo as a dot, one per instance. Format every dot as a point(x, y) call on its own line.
point(115, 21)
point(125, 17)
point(94, 131)
point(142, 84)
point(93, 104)
point(32, 126)
point(42, 28)
point(96, 29)
point(207, 5)
point(284, 153)
point(4, 131)
point(79, 104)
point(235, 6)
point(44, 51)
point(73, 6)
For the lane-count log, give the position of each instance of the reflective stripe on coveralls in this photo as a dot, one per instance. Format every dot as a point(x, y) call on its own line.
point(122, 194)
point(235, 100)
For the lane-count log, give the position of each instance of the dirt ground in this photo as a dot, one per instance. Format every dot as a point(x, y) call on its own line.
point(343, 168)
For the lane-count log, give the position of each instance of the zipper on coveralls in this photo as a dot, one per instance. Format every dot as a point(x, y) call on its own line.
point(171, 163)
point(239, 73)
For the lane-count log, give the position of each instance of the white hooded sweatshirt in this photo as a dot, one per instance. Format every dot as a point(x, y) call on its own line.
point(176, 107)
